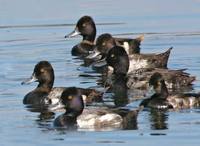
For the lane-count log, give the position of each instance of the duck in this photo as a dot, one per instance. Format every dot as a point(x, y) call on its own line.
point(162, 99)
point(87, 29)
point(106, 42)
point(45, 93)
point(78, 116)
point(118, 65)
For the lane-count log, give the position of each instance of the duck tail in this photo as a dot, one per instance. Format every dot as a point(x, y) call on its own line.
point(165, 56)
point(167, 53)
point(140, 38)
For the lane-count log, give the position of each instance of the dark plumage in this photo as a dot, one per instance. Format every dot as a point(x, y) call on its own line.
point(45, 94)
point(106, 42)
point(87, 29)
point(163, 100)
point(119, 61)
point(95, 118)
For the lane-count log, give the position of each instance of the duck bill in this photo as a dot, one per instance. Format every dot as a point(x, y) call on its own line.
point(100, 63)
point(30, 80)
point(94, 54)
point(73, 34)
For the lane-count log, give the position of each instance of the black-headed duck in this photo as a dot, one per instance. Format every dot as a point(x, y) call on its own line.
point(118, 60)
point(106, 42)
point(45, 93)
point(76, 115)
point(87, 29)
point(163, 100)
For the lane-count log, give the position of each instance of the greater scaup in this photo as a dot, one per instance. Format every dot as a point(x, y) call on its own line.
point(106, 42)
point(45, 93)
point(87, 29)
point(118, 60)
point(92, 118)
point(163, 100)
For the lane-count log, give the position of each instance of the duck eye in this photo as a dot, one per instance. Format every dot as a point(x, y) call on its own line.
point(70, 97)
point(112, 55)
point(42, 70)
point(84, 25)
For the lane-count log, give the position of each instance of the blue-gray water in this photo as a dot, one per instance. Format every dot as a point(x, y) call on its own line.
point(33, 30)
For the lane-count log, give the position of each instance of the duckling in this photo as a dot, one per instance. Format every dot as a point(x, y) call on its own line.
point(92, 118)
point(163, 100)
point(118, 62)
point(45, 93)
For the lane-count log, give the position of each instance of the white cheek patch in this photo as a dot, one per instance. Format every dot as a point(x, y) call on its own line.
point(137, 64)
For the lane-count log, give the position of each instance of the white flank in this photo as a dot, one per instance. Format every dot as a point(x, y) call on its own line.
point(86, 121)
point(54, 100)
point(137, 64)
point(94, 120)
point(126, 47)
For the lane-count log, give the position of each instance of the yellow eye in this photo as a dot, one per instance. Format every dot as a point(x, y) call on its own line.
point(103, 44)
point(112, 55)
point(84, 25)
point(42, 70)
point(70, 97)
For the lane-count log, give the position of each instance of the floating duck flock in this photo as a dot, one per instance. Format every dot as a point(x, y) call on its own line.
point(122, 67)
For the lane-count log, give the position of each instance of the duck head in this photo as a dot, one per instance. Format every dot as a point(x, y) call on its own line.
point(117, 58)
point(72, 100)
point(103, 44)
point(84, 27)
point(158, 84)
point(42, 73)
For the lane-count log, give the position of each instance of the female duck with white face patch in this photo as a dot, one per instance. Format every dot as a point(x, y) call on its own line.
point(163, 100)
point(45, 93)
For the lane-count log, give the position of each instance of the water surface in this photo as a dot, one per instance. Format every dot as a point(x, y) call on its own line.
point(34, 30)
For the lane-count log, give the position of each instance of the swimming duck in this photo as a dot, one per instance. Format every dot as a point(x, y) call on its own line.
point(92, 118)
point(174, 79)
point(118, 62)
point(86, 28)
point(106, 42)
point(45, 93)
point(163, 100)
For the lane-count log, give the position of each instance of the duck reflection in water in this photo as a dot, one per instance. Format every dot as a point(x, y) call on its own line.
point(119, 90)
point(158, 119)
